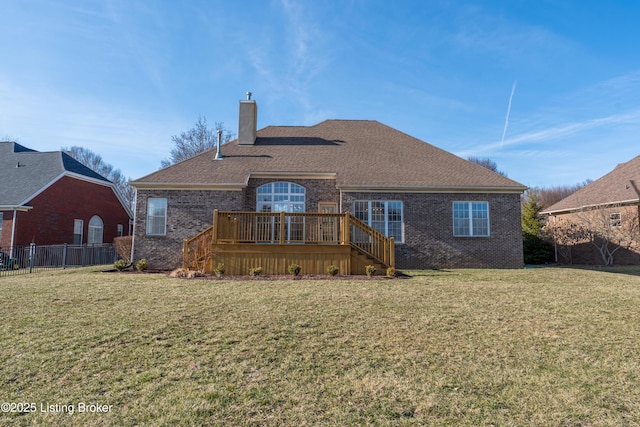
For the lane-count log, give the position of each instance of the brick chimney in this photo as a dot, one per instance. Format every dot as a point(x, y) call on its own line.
point(248, 121)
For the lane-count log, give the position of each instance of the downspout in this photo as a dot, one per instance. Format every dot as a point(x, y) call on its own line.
point(13, 231)
point(133, 230)
point(555, 240)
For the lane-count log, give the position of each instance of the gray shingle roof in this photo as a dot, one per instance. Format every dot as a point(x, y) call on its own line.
point(621, 185)
point(24, 172)
point(361, 154)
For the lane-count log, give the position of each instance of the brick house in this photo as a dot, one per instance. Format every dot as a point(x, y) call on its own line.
point(441, 210)
point(600, 223)
point(50, 198)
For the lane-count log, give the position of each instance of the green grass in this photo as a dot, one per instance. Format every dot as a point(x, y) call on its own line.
point(544, 347)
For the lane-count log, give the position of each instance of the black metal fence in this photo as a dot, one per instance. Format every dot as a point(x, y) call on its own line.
point(33, 258)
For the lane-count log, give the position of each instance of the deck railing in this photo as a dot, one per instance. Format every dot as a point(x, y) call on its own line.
point(287, 228)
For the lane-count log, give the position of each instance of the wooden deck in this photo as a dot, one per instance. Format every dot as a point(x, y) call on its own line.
point(274, 241)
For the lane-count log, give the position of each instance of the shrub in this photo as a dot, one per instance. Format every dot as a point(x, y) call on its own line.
point(219, 270)
point(142, 265)
point(391, 272)
point(120, 264)
point(123, 247)
point(332, 270)
point(536, 250)
point(294, 269)
point(256, 271)
point(370, 270)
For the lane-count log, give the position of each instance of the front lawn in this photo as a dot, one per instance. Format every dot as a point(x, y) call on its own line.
point(544, 347)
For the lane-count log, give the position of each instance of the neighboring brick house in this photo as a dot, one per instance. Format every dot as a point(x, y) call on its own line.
point(443, 211)
point(50, 198)
point(599, 224)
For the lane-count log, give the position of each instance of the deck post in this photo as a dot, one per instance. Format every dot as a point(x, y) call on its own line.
point(392, 252)
point(185, 254)
point(281, 227)
point(214, 238)
point(346, 238)
point(385, 251)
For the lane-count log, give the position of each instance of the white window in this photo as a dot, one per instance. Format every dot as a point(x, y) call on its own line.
point(78, 231)
point(280, 197)
point(615, 220)
point(120, 230)
point(471, 219)
point(96, 228)
point(384, 216)
point(156, 217)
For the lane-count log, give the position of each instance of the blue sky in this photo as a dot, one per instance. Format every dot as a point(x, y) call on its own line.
point(550, 90)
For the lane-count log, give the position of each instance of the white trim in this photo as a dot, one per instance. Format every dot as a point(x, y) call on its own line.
point(187, 186)
point(15, 208)
point(429, 189)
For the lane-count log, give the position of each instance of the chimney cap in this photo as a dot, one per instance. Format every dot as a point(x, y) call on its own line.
point(248, 96)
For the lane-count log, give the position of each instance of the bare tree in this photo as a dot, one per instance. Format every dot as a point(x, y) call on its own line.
point(607, 228)
point(486, 162)
point(94, 162)
point(547, 196)
point(196, 140)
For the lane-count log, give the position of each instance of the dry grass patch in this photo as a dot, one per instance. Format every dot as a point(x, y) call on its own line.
point(465, 347)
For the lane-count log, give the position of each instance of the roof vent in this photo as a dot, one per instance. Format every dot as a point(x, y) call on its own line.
point(218, 154)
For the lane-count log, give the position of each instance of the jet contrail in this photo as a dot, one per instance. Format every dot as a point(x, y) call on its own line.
point(506, 120)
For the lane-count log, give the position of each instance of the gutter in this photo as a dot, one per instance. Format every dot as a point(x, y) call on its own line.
point(430, 189)
point(13, 231)
point(595, 205)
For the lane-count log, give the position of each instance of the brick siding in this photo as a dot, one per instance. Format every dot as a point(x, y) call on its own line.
point(428, 231)
point(429, 241)
point(51, 220)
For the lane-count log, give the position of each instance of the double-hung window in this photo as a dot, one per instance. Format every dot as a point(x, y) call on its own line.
point(78, 227)
point(471, 219)
point(386, 216)
point(156, 217)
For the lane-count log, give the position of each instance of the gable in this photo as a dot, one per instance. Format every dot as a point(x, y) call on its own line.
point(620, 186)
point(24, 173)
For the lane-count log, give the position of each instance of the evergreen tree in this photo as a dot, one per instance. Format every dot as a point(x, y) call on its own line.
point(536, 249)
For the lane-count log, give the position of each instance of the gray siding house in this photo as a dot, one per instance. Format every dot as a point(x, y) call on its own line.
point(441, 210)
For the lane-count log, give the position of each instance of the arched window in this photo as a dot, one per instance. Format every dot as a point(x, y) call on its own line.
point(280, 196)
point(96, 228)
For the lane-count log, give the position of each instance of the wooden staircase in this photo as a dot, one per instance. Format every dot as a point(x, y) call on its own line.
point(273, 241)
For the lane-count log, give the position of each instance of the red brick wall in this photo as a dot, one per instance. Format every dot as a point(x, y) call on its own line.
point(5, 234)
point(52, 218)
